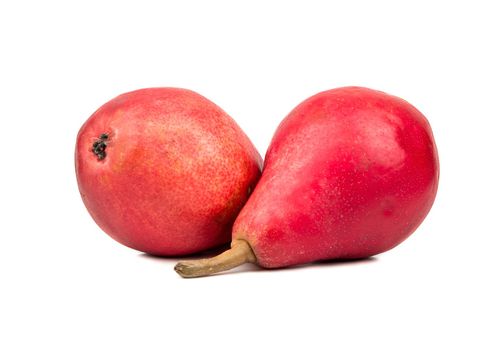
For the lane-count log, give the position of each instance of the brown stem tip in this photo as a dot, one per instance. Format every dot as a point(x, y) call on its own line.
point(239, 254)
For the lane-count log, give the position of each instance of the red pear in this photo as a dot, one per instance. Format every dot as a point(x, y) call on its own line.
point(350, 173)
point(165, 171)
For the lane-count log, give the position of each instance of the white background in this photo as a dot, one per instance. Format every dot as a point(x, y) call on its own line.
point(67, 285)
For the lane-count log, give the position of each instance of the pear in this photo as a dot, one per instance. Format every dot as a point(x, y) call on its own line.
point(350, 173)
point(165, 171)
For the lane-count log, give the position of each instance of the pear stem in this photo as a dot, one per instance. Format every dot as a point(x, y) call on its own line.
point(239, 254)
